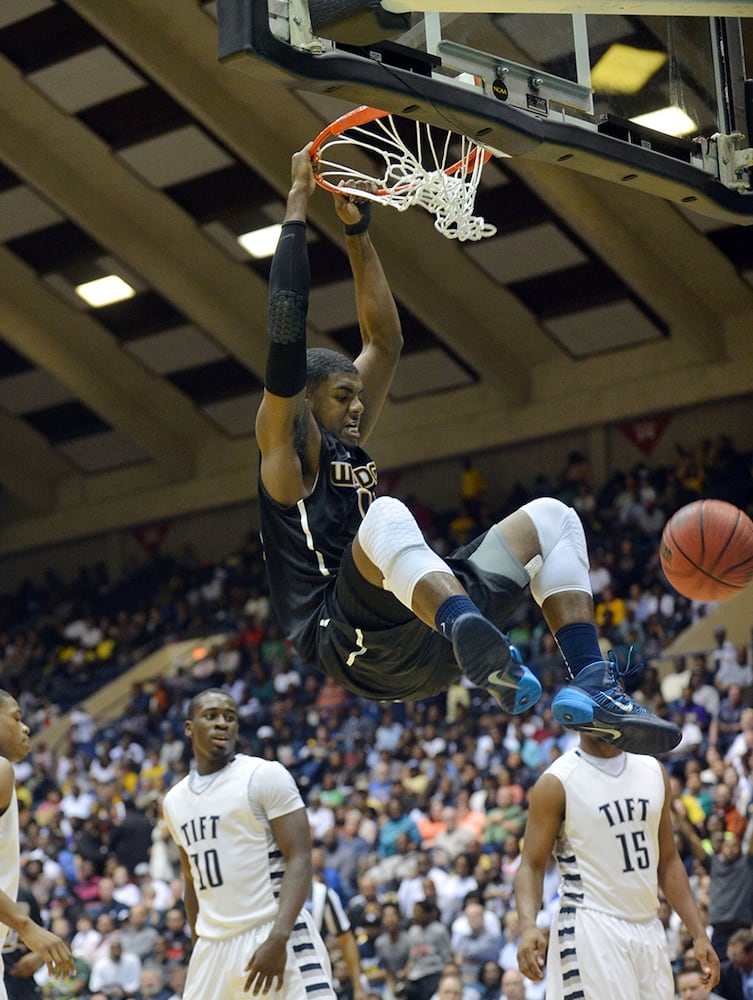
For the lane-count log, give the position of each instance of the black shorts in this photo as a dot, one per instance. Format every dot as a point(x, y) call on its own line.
point(371, 644)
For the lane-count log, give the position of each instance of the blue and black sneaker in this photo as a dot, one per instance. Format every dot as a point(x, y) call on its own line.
point(595, 703)
point(489, 660)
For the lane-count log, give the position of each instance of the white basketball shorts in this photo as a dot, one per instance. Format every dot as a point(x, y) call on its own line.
point(595, 956)
point(217, 968)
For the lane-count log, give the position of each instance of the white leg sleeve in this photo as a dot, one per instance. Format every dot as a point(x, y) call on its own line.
point(393, 541)
point(563, 549)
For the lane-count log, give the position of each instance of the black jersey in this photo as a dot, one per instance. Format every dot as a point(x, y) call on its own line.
point(304, 543)
point(359, 634)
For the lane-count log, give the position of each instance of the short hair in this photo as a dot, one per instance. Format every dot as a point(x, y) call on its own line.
point(456, 976)
point(194, 703)
point(321, 363)
point(742, 937)
point(5, 696)
point(690, 967)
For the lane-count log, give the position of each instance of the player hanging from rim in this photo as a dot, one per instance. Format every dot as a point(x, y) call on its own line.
point(352, 580)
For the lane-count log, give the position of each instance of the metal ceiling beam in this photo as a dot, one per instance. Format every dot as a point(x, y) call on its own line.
point(133, 220)
point(141, 500)
point(30, 469)
point(87, 359)
point(638, 237)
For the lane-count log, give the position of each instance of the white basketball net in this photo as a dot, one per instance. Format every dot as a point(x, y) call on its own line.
point(430, 177)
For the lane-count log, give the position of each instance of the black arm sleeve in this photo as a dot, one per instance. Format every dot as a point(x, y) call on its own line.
point(289, 282)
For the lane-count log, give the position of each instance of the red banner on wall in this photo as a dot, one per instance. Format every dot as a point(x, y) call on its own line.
point(646, 432)
point(150, 536)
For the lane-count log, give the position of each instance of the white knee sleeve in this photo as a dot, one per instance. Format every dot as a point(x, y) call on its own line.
point(393, 541)
point(563, 549)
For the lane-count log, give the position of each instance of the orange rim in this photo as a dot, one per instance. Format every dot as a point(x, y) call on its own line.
point(362, 116)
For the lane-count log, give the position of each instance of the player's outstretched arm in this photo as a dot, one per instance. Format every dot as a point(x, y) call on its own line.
point(674, 884)
point(378, 319)
point(284, 424)
point(546, 810)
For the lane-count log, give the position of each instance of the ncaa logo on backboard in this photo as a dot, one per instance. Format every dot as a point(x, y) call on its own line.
point(500, 91)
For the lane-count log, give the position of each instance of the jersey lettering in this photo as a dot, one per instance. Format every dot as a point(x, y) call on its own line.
point(624, 811)
point(632, 842)
point(634, 850)
point(362, 477)
point(207, 866)
point(365, 499)
point(207, 861)
point(200, 828)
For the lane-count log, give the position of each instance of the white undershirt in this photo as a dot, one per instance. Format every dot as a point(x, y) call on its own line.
point(609, 765)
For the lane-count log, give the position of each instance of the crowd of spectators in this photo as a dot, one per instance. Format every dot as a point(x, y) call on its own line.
point(417, 810)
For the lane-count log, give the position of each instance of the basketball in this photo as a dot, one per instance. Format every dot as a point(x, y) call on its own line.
point(706, 550)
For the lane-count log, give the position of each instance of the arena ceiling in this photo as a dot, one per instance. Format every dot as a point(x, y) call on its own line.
point(125, 146)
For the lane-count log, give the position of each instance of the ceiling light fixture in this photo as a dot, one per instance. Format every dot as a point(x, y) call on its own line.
point(261, 242)
point(670, 121)
point(105, 291)
point(623, 69)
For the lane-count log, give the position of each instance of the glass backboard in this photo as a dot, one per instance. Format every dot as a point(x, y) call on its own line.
point(657, 101)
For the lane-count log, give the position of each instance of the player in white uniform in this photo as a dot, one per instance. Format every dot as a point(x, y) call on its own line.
point(14, 746)
point(606, 816)
point(245, 851)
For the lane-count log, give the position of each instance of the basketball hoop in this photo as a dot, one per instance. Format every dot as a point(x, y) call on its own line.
point(420, 175)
